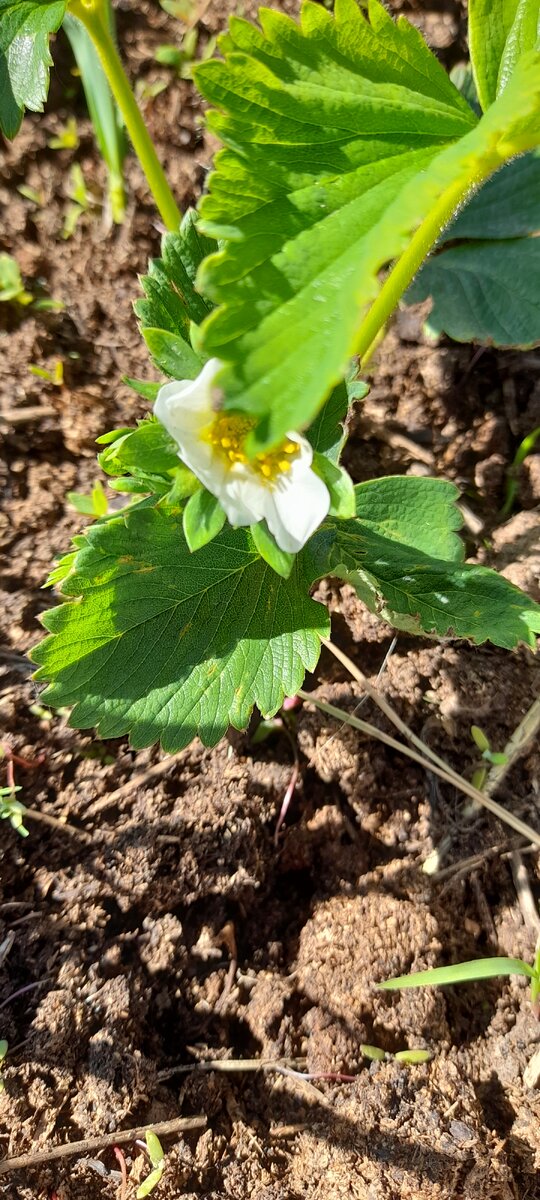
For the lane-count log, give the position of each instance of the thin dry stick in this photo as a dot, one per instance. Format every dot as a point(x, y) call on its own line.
point(524, 893)
point(177, 1125)
point(144, 777)
point(55, 823)
point(439, 766)
point(231, 1065)
point(502, 850)
point(443, 772)
point(517, 744)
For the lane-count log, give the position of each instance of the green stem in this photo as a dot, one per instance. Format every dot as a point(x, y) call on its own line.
point(411, 260)
point(93, 15)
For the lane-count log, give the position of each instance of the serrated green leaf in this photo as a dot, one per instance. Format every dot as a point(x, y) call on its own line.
point(309, 230)
point(25, 27)
point(279, 560)
point(202, 520)
point(420, 513)
point(485, 291)
point(500, 32)
point(466, 972)
point(394, 561)
point(507, 206)
point(341, 136)
point(172, 303)
point(167, 645)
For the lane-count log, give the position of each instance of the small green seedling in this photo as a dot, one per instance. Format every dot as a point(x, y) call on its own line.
point(469, 972)
point(80, 201)
point(525, 448)
point(3, 1052)
point(31, 194)
point(56, 376)
point(493, 757)
point(67, 138)
point(182, 58)
point(12, 810)
point(94, 505)
point(157, 1158)
point(12, 289)
point(411, 1057)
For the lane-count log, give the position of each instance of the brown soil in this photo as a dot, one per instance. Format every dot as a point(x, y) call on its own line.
point(178, 931)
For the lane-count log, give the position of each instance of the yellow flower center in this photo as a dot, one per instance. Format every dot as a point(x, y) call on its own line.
point(227, 435)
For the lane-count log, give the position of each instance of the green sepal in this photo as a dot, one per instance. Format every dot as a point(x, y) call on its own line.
point(339, 484)
point(143, 387)
point(148, 449)
point(279, 560)
point(202, 520)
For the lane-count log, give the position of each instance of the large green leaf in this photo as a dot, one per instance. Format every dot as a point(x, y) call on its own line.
point(500, 32)
point(172, 303)
point(341, 137)
point(25, 27)
point(507, 206)
point(165, 644)
point(484, 291)
point(407, 565)
point(487, 289)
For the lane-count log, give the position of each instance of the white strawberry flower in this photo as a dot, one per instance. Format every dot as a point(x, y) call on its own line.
point(278, 486)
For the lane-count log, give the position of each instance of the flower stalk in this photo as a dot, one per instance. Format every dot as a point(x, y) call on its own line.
point(93, 15)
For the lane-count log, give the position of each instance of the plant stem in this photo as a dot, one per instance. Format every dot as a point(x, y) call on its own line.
point(418, 249)
point(93, 15)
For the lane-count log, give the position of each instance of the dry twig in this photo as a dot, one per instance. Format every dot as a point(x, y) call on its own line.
point(177, 1125)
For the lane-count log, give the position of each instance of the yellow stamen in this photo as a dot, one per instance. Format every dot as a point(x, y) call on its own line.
point(227, 434)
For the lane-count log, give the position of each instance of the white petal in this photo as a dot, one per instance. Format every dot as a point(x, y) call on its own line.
point(243, 496)
point(296, 507)
point(186, 404)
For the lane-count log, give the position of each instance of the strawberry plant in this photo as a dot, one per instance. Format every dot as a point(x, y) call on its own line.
point(347, 150)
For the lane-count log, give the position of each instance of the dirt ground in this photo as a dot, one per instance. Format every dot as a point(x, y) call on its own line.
point(176, 930)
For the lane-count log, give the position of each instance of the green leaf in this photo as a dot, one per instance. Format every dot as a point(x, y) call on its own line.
point(467, 972)
point(148, 448)
point(148, 1184)
point(25, 26)
point(393, 557)
point(155, 1149)
point(485, 291)
point(413, 1057)
point(167, 645)
point(279, 560)
point(310, 230)
point(339, 484)
point(507, 206)
point(342, 137)
point(143, 387)
point(488, 290)
point(419, 513)
point(500, 32)
point(172, 302)
point(203, 519)
point(327, 433)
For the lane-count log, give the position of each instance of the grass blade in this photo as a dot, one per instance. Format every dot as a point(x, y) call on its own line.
point(467, 972)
